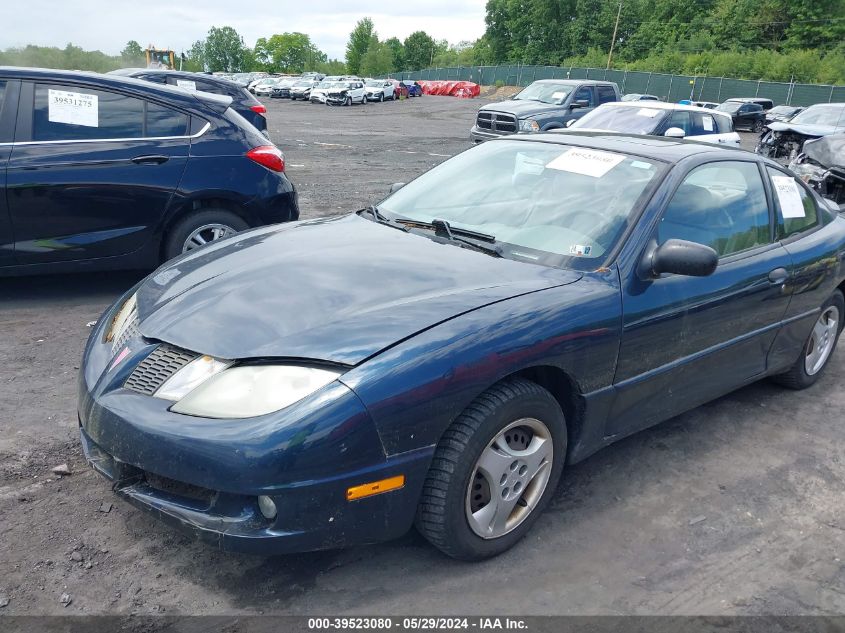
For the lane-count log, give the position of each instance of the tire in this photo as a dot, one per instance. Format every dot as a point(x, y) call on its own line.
point(801, 375)
point(758, 127)
point(348, 101)
point(447, 507)
point(176, 238)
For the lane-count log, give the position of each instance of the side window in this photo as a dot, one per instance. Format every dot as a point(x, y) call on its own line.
point(65, 113)
point(681, 119)
point(724, 124)
point(585, 93)
point(2, 94)
point(721, 205)
point(703, 124)
point(795, 206)
point(606, 94)
point(163, 121)
point(155, 78)
point(207, 86)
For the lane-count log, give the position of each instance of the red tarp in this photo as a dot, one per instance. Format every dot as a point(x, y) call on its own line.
point(463, 89)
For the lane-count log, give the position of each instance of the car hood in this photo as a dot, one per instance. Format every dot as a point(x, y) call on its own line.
point(806, 130)
point(827, 152)
point(520, 108)
point(335, 289)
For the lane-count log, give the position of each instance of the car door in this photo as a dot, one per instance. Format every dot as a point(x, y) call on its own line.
point(687, 340)
point(583, 93)
point(91, 172)
point(8, 113)
point(812, 242)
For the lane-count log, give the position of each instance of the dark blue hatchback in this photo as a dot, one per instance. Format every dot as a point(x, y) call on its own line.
point(104, 172)
point(445, 354)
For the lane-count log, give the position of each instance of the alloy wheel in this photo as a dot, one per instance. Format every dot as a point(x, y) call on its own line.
point(822, 341)
point(205, 234)
point(509, 478)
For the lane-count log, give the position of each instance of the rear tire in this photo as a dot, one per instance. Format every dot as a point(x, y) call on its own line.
point(494, 470)
point(819, 346)
point(219, 222)
point(758, 127)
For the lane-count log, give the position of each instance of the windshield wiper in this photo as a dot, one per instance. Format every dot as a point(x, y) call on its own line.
point(486, 243)
point(380, 218)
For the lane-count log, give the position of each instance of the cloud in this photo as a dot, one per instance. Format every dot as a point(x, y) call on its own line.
point(107, 26)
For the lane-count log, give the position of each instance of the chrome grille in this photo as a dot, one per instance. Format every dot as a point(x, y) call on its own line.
point(496, 122)
point(152, 372)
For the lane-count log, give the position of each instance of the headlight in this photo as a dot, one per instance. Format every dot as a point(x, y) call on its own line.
point(806, 170)
point(250, 390)
point(529, 125)
point(124, 317)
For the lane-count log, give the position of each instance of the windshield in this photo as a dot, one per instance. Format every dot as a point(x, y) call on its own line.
point(730, 106)
point(633, 120)
point(375, 83)
point(782, 110)
point(545, 203)
point(821, 115)
point(545, 93)
point(303, 84)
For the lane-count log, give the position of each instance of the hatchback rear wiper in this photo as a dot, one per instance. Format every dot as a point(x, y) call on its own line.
point(486, 243)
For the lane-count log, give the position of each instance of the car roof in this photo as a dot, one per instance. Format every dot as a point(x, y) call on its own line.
point(574, 81)
point(659, 105)
point(179, 96)
point(221, 81)
point(665, 149)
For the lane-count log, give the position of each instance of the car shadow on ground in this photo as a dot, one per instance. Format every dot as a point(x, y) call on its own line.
point(75, 287)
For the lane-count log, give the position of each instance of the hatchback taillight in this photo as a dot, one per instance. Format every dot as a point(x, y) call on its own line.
point(259, 109)
point(269, 156)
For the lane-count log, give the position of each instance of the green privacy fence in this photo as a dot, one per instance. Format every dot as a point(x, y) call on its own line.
point(668, 87)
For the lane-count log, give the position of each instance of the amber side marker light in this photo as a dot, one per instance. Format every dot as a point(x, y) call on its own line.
point(375, 488)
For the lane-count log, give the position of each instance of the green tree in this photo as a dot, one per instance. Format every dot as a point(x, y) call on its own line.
point(132, 54)
point(287, 52)
point(222, 50)
point(359, 42)
point(397, 53)
point(378, 60)
point(419, 50)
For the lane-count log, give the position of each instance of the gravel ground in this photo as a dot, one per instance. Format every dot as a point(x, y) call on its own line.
point(733, 508)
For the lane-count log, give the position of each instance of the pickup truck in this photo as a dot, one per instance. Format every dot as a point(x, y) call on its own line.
point(546, 104)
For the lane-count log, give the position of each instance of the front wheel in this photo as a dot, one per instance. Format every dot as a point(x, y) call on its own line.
point(493, 472)
point(819, 346)
point(348, 101)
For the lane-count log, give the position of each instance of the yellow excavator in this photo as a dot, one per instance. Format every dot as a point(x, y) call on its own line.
point(160, 58)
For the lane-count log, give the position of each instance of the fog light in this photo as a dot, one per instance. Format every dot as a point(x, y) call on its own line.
point(267, 507)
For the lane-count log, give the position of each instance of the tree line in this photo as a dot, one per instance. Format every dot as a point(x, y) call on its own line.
point(773, 40)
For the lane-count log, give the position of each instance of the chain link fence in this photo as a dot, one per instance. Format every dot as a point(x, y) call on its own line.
point(667, 87)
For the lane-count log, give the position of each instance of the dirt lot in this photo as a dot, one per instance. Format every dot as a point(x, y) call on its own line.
point(734, 508)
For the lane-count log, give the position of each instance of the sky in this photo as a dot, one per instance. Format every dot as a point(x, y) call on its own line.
point(107, 26)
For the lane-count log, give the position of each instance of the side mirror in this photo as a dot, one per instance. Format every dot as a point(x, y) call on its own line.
point(396, 186)
point(581, 103)
point(675, 132)
point(680, 257)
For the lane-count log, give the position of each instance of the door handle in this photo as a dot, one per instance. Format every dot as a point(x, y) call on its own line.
point(150, 159)
point(778, 276)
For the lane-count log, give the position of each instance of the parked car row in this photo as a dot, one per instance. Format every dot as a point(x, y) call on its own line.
point(107, 171)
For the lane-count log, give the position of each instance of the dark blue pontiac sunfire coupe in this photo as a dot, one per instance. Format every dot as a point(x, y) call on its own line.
point(439, 358)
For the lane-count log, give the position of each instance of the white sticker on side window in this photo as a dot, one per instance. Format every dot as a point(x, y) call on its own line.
point(187, 84)
point(588, 162)
point(707, 122)
point(74, 108)
point(789, 197)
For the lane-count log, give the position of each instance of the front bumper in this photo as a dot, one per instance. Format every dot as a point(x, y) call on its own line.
point(204, 476)
point(317, 98)
point(478, 135)
point(334, 99)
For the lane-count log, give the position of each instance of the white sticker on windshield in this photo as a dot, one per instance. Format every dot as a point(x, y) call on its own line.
point(707, 122)
point(559, 95)
point(649, 112)
point(187, 84)
point(789, 197)
point(588, 162)
point(75, 108)
point(580, 250)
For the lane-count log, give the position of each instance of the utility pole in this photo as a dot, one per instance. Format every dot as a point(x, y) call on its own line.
point(613, 40)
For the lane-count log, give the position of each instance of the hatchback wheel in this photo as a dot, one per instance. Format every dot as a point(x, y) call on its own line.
point(493, 472)
point(348, 101)
point(381, 97)
point(819, 346)
point(198, 229)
